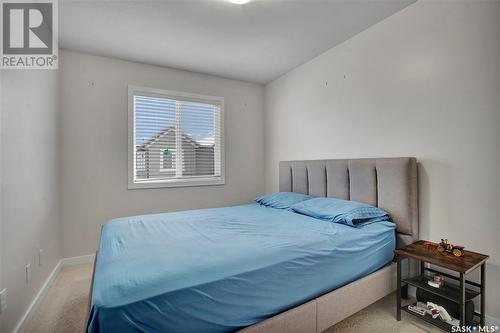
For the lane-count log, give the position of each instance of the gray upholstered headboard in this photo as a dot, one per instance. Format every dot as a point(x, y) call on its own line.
point(389, 183)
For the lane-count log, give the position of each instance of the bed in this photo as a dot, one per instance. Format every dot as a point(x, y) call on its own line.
point(256, 268)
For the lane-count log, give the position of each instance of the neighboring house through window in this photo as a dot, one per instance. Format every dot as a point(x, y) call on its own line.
point(175, 139)
point(167, 159)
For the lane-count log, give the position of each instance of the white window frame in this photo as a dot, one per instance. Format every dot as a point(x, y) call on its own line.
point(176, 95)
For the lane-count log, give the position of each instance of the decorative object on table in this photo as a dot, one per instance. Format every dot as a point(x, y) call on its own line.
point(445, 246)
point(437, 281)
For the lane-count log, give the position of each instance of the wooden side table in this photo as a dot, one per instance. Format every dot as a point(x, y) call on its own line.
point(424, 251)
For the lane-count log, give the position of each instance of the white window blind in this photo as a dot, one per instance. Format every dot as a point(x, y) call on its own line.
point(176, 139)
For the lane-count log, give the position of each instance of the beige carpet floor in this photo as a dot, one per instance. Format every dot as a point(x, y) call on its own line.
point(64, 310)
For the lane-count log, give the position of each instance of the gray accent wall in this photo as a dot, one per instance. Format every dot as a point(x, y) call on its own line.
point(425, 83)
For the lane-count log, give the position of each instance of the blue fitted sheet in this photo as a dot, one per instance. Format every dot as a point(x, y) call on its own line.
point(218, 270)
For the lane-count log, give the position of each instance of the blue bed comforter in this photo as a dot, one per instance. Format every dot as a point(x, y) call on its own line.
point(218, 270)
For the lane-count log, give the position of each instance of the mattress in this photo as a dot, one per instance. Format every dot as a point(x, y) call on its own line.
point(219, 270)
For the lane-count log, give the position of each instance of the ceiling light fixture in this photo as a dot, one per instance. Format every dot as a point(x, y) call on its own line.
point(240, 2)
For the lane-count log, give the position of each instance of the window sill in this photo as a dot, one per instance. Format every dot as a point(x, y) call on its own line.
point(149, 184)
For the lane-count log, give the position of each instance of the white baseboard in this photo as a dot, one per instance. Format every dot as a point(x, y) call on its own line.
point(87, 259)
point(26, 318)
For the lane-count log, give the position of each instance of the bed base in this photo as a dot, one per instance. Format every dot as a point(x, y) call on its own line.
point(318, 314)
point(325, 311)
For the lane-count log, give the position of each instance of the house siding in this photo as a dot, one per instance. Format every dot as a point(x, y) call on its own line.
point(198, 160)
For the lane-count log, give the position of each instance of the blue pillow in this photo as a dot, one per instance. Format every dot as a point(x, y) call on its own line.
point(281, 200)
point(347, 212)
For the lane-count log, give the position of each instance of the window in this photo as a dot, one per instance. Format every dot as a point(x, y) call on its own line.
point(175, 139)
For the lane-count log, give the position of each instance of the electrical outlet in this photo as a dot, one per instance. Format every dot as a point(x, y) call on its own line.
point(40, 257)
point(28, 273)
point(3, 300)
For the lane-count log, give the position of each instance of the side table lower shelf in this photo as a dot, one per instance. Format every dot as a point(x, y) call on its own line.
point(436, 322)
point(449, 291)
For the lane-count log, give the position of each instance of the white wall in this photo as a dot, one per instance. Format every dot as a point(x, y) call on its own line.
point(30, 185)
point(425, 83)
point(94, 145)
point(1, 187)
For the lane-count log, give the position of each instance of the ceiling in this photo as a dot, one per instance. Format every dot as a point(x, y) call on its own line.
point(256, 42)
